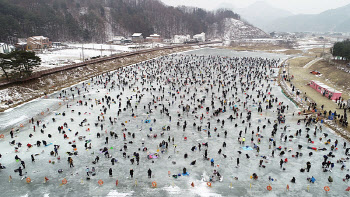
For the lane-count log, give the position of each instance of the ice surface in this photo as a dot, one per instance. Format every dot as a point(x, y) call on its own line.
point(140, 185)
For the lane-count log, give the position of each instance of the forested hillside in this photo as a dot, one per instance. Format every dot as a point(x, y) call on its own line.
point(100, 20)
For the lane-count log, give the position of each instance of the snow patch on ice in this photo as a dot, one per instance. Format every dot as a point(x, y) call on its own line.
point(203, 190)
point(13, 121)
point(115, 193)
point(173, 189)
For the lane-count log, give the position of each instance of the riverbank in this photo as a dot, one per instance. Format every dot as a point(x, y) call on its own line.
point(30, 90)
point(301, 78)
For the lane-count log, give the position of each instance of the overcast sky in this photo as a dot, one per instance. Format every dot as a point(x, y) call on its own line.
point(294, 6)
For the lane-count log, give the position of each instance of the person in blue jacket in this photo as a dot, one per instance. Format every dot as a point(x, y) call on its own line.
point(312, 179)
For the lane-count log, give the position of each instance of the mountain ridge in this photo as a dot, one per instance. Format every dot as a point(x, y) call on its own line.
point(334, 20)
point(261, 14)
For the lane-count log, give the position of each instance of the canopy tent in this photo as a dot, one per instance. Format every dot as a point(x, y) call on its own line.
point(325, 90)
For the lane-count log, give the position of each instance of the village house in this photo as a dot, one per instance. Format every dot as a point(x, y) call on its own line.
point(137, 38)
point(38, 42)
point(154, 38)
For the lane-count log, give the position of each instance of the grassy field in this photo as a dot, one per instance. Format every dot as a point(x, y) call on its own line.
point(318, 51)
point(329, 75)
point(299, 62)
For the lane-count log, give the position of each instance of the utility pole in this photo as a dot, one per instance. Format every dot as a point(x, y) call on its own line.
point(324, 45)
point(82, 50)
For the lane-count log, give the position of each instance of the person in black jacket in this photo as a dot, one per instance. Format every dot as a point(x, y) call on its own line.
point(110, 171)
point(149, 173)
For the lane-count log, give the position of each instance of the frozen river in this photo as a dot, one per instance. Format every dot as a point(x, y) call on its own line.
point(149, 79)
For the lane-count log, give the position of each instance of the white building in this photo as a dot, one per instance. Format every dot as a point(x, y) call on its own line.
point(6, 48)
point(181, 38)
point(199, 37)
point(156, 38)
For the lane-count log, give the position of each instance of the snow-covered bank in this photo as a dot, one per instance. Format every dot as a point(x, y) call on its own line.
point(75, 53)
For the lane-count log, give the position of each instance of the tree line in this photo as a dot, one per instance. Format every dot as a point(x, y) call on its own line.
point(341, 49)
point(18, 64)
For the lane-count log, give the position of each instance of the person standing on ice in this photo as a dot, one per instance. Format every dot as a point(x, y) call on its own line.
point(149, 173)
point(20, 171)
point(23, 164)
point(308, 166)
point(110, 172)
point(56, 150)
point(281, 163)
point(131, 173)
point(71, 163)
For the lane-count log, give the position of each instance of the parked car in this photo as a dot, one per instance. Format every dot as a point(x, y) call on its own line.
point(315, 72)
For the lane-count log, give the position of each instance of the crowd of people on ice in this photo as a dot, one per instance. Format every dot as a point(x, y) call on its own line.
point(220, 99)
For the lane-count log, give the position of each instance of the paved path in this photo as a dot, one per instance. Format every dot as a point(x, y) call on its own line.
point(312, 62)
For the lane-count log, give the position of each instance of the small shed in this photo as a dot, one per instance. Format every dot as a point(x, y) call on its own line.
point(118, 40)
point(325, 90)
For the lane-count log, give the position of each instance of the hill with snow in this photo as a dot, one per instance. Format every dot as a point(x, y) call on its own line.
point(100, 20)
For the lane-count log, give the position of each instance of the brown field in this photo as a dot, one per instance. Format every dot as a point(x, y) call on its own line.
point(270, 48)
point(257, 47)
point(318, 51)
point(299, 62)
point(329, 75)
